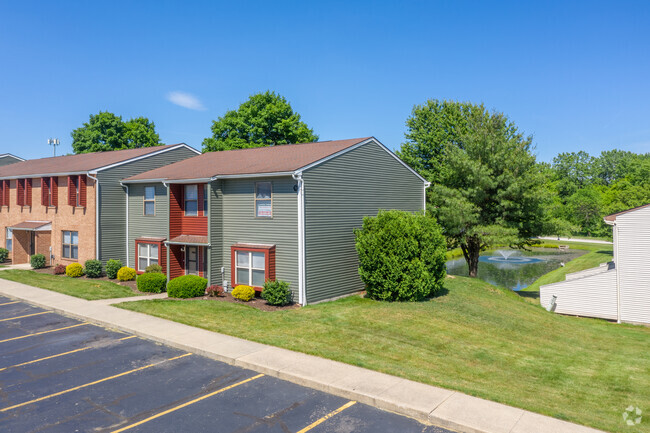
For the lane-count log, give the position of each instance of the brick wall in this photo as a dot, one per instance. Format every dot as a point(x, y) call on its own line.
point(63, 217)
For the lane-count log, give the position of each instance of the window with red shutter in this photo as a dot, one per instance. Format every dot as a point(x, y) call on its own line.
point(45, 191)
point(82, 190)
point(73, 190)
point(54, 186)
point(20, 192)
point(2, 193)
point(7, 189)
point(28, 192)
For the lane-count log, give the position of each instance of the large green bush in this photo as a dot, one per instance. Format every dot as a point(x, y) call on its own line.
point(4, 253)
point(112, 268)
point(187, 286)
point(37, 261)
point(93, 268)
point(151, 282)
point(401, 256)
point(276, 293)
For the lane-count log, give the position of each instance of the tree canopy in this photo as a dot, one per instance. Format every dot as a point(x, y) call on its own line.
point(106, 131)
point(486, 185)
point(265, 119)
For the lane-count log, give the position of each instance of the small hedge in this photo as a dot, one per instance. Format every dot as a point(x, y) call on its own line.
point(154, 268)
point(93, 268)
point(276, 293)
point(243, 293)
point(112, 267)
point(152, 282)
point(4, 253)
point(59, 270)
point(74, 270)
point(126, 274)
point(37, 261)
point(214, 290)
point(401, 256)
point(187, 286)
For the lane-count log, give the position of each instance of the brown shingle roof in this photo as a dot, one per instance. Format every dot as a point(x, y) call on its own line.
point(613, 216)
point(270, 159)
point(75, 163)
point(190, 240)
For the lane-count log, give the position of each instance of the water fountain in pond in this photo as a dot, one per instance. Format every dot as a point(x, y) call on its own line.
point(512, 257)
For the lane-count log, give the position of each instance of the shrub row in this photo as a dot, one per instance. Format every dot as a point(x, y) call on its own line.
point(153, 282)
point(187, 286)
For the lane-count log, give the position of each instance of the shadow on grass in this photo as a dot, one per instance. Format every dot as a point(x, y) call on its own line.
point(442, 292)
point(608, 252)
point(532, 295)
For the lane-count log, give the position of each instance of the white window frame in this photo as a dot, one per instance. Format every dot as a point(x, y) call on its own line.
point(269, 200)
point(9, 239)
point(70, 245)
point(205, 199)
point(145, 200)
point(149, 257)
point(185, 200)
point(249, 267)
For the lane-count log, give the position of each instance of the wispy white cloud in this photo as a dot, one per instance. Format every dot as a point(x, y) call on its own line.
point(186, 100)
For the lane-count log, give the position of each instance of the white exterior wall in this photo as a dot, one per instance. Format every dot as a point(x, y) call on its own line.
point(633, 264)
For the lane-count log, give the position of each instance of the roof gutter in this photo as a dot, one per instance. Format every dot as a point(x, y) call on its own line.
point(302, 298)
point(127, 222)
point(97, 213)
point(618, 274)
point(30, 176)
point(424, 204)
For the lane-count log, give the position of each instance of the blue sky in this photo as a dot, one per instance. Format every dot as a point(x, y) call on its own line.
point(572, 74)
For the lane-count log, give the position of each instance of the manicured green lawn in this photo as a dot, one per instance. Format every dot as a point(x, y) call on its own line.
point(81, 288)
point(598, 253)
point(475, 338)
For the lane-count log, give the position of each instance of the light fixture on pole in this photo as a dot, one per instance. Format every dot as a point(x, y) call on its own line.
point(53, 142)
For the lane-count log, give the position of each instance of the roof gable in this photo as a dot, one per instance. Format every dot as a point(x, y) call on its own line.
point(613, 216)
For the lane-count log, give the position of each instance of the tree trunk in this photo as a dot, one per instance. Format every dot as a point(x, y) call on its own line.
point(471, 250)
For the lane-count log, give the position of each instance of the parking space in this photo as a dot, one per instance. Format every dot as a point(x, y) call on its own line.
point(58, 374)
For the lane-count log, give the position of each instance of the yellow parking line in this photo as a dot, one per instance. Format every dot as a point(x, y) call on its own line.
point(130, 336)
point(180, 406)
point(90, 383)
point(328, 416)
point(26, 315)
point(57, 355)
point(9, 303)
point(43, 332)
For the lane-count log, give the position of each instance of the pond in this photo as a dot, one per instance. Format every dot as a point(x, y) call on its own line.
point(514, 269)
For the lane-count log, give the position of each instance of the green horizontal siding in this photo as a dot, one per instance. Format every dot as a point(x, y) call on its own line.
point(338, 194)
point(239, 225)
point(112, 200)
point(215, 232)
point(141, 225)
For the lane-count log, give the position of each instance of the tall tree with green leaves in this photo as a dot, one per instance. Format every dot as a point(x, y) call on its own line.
point(106, 131)
point(486, 185)
point(265, 119)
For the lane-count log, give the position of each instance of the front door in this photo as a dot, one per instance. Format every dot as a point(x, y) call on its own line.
point(191, 260)
point(32, 243)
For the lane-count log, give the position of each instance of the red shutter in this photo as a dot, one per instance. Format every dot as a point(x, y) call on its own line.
point(20, 192)
point(82, 190)
point(2, 193)
point(72, 195)
point(54, 184)
point(44, 191)
point(7, 190)
point(28, 192)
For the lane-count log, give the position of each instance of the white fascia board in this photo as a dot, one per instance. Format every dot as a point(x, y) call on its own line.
point(183, 181)
point(137, 158)
point(34, 176)
point(250, 175)
point(187, 243)
point(9, 155)
point(362, 143)
point(124, 181)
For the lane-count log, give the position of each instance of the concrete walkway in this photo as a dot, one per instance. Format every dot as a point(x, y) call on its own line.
point(587, 241)
point(426, 403)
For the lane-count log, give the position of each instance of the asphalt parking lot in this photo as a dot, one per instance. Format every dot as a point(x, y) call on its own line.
point(59, 374)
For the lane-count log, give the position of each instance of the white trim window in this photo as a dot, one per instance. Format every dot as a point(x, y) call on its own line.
point(191, 198)
point(70, 249)
point(250, 268)
point(263, 200)
point(149, 200)
point(147, 255)
point(205, 199)
point(9, 239)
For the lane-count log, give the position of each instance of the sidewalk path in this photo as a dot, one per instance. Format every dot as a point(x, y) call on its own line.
point(426, 403)
point(587, 241)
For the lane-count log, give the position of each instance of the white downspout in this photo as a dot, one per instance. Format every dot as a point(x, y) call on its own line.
point(96, 214)
point(424, 200)
point(302, 299)
point(127, 223)
point(616, 269)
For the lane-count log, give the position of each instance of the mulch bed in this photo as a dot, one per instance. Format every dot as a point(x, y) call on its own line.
point(130, 284)
point(256, 302)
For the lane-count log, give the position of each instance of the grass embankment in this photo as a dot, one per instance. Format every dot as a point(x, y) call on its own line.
point(81, 288)
point(475, 338)
point(597, 254)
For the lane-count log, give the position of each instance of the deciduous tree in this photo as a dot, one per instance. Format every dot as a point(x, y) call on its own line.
point(106, 131)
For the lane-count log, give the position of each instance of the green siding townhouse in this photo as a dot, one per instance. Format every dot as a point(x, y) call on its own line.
point(280, 212)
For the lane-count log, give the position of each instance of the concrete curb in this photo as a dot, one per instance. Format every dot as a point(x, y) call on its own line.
point(429, 404)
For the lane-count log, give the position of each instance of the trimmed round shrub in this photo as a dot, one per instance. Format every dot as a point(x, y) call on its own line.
point(154, 268)
point(401, 256)
point(152, 282)
point(74, 270)
point(214, 290)
point(187, 286)
point(276, 293)
point(59, 270)
point(243, 293)
point(93, 268)
point(126, 274)
point(37, 261)
point(112, 267)
point(4, 253)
